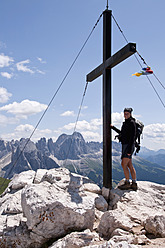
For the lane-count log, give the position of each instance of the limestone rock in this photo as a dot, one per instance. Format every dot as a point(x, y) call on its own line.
point(39, 175)
point(149, 199)
point(88, 239)
point(20, 180)
point(101, 204)
point(156, 225)
point(56, 204)
point(60, 177)
point(43, 205)
point(106, 193)
point(112, 220)
point(11, 203)
point(77, 239)
point(91, 187)
point(119, 232)
point(132, 239)
point(112, 244)
point(132, 208)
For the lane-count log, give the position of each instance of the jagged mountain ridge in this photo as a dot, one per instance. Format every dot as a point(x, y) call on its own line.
point(30, 159)
point(68, 146)
point(73, 153)
point(39, 155)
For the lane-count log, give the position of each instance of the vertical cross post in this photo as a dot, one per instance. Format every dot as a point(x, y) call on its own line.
point(107, 144)
point(109, 61)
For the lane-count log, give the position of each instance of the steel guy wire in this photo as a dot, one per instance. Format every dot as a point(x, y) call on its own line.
point(141, 64)
point(78, 115)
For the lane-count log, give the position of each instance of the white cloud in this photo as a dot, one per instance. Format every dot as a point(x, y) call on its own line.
point(91, 130)
point(154, 136)
point(21, 66)
point(24, 108)
point(4, 95)
point(24, 128)
point(5, 60)
point(93, 125)
point(91, 136)
point(96, 122)
point(117, 118)
point(41, 72)
point(68, 113)
point(41, 60)
point(24, 131)
point(7, 75)
point(24, 66)
point(4, 120)
point(155, 131)
point(81, 125)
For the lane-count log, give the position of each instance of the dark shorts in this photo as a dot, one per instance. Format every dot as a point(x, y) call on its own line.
point(125, 153)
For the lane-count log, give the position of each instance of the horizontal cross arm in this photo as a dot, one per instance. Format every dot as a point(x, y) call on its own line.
point(121, 55)
point(114, 60)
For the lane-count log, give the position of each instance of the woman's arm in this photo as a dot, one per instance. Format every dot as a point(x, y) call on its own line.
point(115, 129)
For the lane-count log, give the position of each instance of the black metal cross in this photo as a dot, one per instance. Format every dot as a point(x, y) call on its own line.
point(105, 70)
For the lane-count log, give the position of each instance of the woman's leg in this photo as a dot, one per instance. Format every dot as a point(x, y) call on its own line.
point(124, 163)
point(132, 169)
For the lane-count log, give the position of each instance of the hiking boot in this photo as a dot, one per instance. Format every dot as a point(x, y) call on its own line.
point(134, 186)
point(125, 186)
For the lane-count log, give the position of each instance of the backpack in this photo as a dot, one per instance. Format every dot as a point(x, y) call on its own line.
point(139, 130)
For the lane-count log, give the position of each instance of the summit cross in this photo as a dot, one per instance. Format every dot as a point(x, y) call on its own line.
point(109, 61)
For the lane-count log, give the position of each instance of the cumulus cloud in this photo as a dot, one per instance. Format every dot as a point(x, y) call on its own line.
point(4, 120)
point(5, 61)
point(84, 125)
point(24, 131)
point(89, 130)
point(68, 113)
point(24, 128)
point(155, 131)
point(117, 118)
point(4, 95)
point(24, 108)
point(22, 66)
point(96, 122)
point(7, 75)
point(91, 136)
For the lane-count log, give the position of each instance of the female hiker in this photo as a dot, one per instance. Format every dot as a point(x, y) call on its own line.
point(127, 138)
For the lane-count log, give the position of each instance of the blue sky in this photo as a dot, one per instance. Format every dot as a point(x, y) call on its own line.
point(40, 39)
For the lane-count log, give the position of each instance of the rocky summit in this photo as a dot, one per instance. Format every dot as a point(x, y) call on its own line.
point(59, 209)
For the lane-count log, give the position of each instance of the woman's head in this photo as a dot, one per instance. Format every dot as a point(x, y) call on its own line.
point(127, 113)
